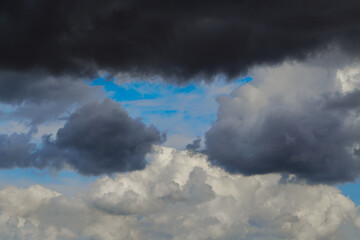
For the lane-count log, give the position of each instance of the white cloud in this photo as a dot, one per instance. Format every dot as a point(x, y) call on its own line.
point(349, 78)
point(180, 196)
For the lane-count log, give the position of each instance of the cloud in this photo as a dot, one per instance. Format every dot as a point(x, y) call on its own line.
point(101, 138)
point(297, 119)
point(37, 86)
point(180, 196)
point(180, 38)
point(35, 97)
point(16, 150)
point(195, 145)
point(98, 138)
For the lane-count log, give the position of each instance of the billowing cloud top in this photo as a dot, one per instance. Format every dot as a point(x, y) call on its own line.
point(182, 38)
point(298, 119)
point(180, 196)
point(103, 138)
point(98, 138)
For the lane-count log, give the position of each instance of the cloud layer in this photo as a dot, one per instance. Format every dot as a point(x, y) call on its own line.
point(180, 196)
point(298, 119)
point(292, 123)
point(179, 38)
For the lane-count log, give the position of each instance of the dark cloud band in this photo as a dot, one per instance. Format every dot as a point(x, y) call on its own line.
point(181, 38)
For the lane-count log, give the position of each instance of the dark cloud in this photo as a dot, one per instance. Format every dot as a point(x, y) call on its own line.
point(181, 38)
point(15, 150)
point(313, 134)
point(39, 87)
point(348, 102)
point(37, 97)
point(98, 138)
point(102, 138)
point(18, 150)
point(195, 145)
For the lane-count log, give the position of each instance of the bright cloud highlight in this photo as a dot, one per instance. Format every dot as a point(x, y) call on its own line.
point(180, 196)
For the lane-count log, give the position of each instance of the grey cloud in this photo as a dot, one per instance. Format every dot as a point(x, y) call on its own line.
point(35, 97)
point(313, 134)
point(345, 103)
point(98, 138)
point(16, 150)
point(101, 138)
point(38, 86)
point(195, 145)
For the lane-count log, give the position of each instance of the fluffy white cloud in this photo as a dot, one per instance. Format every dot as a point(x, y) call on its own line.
point(349, 78)
point(180, 196)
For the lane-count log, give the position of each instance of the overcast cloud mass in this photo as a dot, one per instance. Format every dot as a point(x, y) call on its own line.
point(263, 169)
point(182, 38)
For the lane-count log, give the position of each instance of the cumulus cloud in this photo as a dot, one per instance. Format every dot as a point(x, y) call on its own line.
point(180, 196)
point(179, 38)
point(102, 138)
point(98, 138)
point(298, 119)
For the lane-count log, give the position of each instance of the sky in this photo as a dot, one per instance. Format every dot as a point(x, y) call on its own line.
point(179, 120)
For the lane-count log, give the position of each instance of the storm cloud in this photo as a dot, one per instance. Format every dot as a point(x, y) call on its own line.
point(291, 124)
point(98, 138)
point(170, 38)
point(102, 139)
